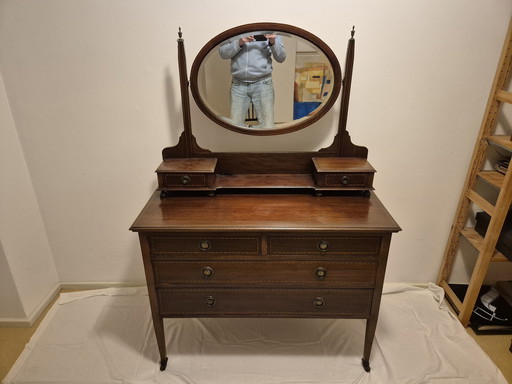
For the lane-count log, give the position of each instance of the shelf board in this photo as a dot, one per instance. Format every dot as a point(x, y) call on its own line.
point(476, 240)
point(501, 140)
point(493, 178)
point(480, 201)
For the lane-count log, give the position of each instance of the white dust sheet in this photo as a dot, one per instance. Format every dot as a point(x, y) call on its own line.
point(106, 336)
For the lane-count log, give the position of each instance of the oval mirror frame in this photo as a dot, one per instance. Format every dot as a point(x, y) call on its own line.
point(276, 27)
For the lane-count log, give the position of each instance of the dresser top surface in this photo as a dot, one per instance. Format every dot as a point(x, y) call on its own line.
point(262, 212)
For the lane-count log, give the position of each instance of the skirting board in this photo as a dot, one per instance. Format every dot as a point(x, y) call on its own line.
point(20, 322)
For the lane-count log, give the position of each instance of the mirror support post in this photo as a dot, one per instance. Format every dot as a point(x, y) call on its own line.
point(345, 93)
point(185, 100)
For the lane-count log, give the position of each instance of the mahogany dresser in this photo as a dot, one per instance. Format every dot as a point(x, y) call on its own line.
point(285, 234)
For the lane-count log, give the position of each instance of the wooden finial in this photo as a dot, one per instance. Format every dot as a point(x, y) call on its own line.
point(353, 31)
point(179, 33)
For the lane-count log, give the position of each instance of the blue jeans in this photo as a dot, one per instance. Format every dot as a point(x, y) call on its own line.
point(261, 94)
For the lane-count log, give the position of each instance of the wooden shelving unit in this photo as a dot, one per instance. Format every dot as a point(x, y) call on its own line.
point(498, 211)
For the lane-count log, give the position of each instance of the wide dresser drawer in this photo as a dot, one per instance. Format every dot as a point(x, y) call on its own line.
point(224, 302)
point(332, 273)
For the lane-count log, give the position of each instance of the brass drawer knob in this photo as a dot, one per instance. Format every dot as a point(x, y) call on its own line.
point(207, 272)
point(205, 245)
point(323, 246)
point(210, 301)
point(345, 180)
point(319, 302)
point(321, 272)
point(185, 179)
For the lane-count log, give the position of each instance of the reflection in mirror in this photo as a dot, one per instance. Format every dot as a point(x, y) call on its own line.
point(305, 84)
point(251, 59)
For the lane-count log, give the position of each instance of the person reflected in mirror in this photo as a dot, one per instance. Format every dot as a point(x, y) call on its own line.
point(251, 70)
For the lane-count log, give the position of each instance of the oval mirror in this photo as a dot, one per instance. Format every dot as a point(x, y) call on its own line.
point(305, 84)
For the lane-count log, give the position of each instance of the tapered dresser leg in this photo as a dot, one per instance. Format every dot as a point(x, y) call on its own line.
point(163, 364)
point(158, 324)
point(366, 364)
point(371, 325)
point(158, 321)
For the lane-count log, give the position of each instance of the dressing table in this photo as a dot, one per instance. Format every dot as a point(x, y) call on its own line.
point(252, 234)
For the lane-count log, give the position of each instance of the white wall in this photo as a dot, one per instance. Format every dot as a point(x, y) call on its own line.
point(94, 95)
point(28, 276)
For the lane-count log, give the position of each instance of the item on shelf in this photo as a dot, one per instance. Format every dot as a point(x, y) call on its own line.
point(504, 244)
point(492, 313)
point(502, 166)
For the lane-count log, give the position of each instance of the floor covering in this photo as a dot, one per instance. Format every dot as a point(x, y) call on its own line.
point(106, 336)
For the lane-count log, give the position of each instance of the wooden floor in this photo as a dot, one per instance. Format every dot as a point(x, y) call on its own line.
point(13, 340)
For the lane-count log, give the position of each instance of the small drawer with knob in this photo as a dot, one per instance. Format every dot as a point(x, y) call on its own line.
point(204, 245)
point(350, 274)
point(247, 302)
point(324, 246)
point(186, 173)
point(343, 173)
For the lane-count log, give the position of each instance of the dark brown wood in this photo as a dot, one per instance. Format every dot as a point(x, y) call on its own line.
point(329, 173)
point(265, 302)
point(342, 164)
point(262, 162)
point(187, 173)
point(371, 323)
point(191, 165)
point(343, 173)
point(335, 274)
point(158, 323)
point(265, 255)
point(263, 247)
point(265, 212)
point(345, 95)
point(185, 101)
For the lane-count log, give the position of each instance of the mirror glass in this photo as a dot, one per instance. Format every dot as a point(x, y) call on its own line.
point(304, 74)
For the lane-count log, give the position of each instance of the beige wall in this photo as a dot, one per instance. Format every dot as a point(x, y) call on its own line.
point(28, 274)
point(92, 91)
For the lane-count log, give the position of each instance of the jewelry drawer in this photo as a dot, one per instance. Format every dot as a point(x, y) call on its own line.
point(323, 246)
point(186, 173)
point(205, 245)
point(189, 180)
point(345, 180)
point(223, 302)
point(283, 273)
point(343, 173)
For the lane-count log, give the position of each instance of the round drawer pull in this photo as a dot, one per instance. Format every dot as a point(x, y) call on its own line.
point(205, 245)
point(323, 246)
point(210, 301)
point(207, 272)
point(321, 272)
point(185, 179)
point(345, 180)
point(319, 302)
